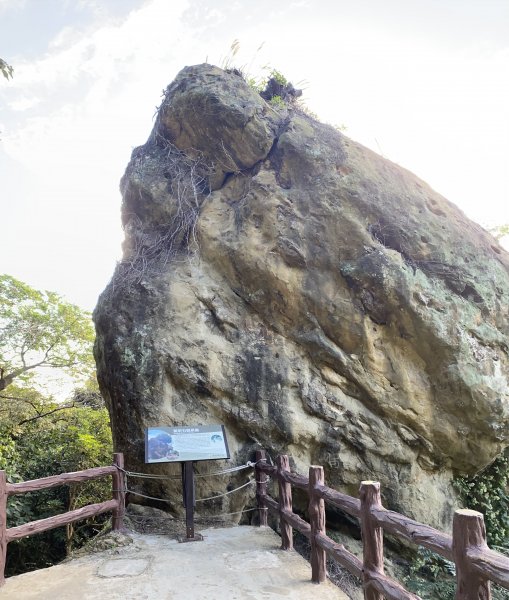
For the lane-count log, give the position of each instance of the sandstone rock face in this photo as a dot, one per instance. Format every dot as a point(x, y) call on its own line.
point(314, 297)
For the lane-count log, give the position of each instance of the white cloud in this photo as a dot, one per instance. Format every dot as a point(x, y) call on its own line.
point(23, 103)
point(96, 98)
point(77, 111)
point(6, 5)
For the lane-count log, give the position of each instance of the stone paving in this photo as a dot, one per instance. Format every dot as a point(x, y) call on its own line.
point(239, 563)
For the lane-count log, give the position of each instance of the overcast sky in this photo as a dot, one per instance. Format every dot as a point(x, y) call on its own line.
point(425, 83)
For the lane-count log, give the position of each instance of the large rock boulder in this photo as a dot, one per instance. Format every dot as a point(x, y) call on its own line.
point(314, 297)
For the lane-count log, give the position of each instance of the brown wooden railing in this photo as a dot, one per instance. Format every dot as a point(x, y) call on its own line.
point(476, 564)
point(116, 505)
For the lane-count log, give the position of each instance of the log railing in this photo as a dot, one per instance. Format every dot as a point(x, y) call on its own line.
point(116, 505)
point(476, 564)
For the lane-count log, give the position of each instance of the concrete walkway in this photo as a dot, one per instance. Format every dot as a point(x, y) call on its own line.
point(239, 563)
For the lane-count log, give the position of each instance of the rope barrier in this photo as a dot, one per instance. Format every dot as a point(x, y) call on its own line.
point(226, 493)
point(239, 512)
point(251, 481)
point(248, 465)
point(127, 490)
point(150, 475)
point(235, 469)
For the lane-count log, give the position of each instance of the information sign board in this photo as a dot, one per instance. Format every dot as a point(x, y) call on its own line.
point(181, 444)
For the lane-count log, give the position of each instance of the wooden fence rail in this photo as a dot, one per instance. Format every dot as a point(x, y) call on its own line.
point(476, 564)
point(116, 505)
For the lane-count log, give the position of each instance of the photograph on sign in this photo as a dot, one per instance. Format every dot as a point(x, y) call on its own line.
point(180, 444)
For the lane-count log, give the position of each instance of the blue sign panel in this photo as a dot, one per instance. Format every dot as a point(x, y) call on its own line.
point(186, 443)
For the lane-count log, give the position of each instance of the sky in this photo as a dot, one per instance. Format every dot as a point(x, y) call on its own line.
point(424, 83)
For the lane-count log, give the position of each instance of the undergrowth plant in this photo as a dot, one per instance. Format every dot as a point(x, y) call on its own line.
point(488, 493)
point(277, 101)
point(433, 577)
point(274, 87)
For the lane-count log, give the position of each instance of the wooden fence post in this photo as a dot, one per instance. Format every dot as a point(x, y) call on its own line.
point(261, 489)
point(372, 537)
point(468, 531)
point(317, 522)
point(3, 525)
point(285, 502)
point(118, 480)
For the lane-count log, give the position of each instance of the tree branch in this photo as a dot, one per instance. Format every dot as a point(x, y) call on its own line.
point(41, 415)
point(6, 380)
point(2, 397)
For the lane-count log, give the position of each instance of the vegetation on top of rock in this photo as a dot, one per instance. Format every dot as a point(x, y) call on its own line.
point(274, 88)
point(500, 231)
point(335, 309)
point(277, 86)
point(6, 69)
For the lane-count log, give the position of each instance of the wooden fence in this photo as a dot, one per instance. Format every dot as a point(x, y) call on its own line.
point(116, 504)
point(476, 564)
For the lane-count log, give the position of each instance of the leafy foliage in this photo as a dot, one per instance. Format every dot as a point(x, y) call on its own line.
point(277, 101)
point(277, 88)
point(274, 88)
point(38, 330)
point(488, 493)
point(500, 231)
point(278, 77)
point(40, 436)
point(431, 576)
point(88, 395)
point(6, 69)
point(76, 439)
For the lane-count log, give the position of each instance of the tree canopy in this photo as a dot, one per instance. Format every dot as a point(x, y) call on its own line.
point(6, 69)
point(40, 330)
point(39, 435)
point(31, 447)
point(499, 231)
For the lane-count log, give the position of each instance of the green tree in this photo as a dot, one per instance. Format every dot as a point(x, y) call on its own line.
point(88, 394)
point(488, 493)
point(499, 231)
point(6, 69)
point(40, 330)
point(76, 439)
point(39, 435)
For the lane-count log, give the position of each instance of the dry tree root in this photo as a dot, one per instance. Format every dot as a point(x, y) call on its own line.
point(149, 248)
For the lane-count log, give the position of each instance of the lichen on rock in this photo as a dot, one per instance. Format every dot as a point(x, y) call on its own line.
point(314, 297)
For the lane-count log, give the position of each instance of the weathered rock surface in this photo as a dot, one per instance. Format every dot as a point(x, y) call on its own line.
point(314, 297)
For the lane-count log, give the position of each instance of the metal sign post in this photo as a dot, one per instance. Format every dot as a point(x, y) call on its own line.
point(186, 445)
point(189, 503)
